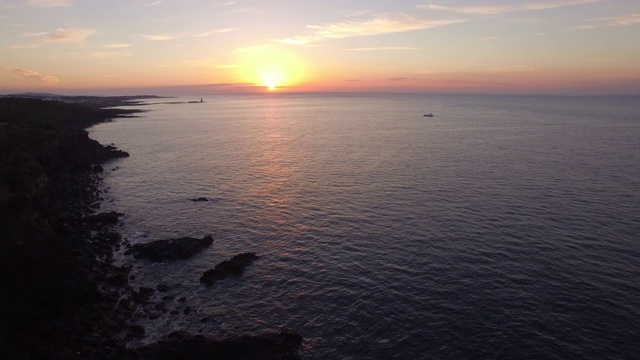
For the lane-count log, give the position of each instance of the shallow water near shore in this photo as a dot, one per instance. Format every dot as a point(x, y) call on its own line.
point(503, 227)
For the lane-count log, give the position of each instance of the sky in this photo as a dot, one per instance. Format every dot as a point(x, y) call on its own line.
point(572, 47)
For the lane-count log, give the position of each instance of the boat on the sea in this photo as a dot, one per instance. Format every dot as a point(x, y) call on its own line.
point(428, 115)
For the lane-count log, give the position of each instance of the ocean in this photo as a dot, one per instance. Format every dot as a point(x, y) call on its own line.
point(504, 227)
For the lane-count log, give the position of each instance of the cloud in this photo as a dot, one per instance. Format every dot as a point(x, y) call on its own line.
point(376, 26)
point(50, 3)
point(502, 9)
point(165, 37)
point(474, 83)
point(513, 68)
point(209, 33)
point(103, 55)
point(117, 46)
point(63, 36)
point(383, 48)
point(400, 79)
point(614, 21)
point(441, 71)
point(24, 46)
point(30, 74)
point(154, 3)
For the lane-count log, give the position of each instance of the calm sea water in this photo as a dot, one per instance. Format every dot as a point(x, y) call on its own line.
point(503, 227)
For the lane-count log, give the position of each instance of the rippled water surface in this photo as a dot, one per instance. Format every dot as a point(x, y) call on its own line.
point(503, 227)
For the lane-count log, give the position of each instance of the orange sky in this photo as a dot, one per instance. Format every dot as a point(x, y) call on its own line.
point(112, 47)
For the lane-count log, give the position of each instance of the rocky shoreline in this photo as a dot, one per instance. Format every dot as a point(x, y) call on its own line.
point(66, 298)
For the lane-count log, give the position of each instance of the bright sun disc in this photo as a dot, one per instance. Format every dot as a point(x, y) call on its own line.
point(271, 80)
point(273, 69)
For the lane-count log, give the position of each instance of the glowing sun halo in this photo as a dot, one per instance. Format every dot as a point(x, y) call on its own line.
point(268, 67)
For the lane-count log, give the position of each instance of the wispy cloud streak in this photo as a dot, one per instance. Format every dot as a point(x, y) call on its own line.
point(383, 48)
point(165, 37)
point(376, 26)
point(117, 46)
point(30, 74)
point(161, 37)
point(50, 3)
point(614, 21)
point(63, 36)
point(153, 3)
point(502, 9)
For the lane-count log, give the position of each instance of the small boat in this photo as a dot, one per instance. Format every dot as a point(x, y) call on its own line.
point(428, 115)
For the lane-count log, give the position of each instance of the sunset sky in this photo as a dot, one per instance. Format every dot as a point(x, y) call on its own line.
point(437, 46)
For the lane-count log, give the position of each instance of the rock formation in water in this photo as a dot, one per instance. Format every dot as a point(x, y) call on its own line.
point(232, 267)
point(170, 249)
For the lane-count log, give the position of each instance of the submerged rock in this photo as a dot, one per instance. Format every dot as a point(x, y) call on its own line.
point(170, 249)
point(200, 199)
point(182, 345)
point(232, 267)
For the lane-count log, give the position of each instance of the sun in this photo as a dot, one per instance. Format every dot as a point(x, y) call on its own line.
point(271, 79)
point(270, 68)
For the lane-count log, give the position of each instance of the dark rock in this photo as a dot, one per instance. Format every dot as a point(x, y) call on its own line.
point(81, 167)
point(171, 249)
point(200, 199)
point(108, 218)
point(118, 278)
point(110, 237)
point(232, 267)
point(187, 310)
point(182, 299)
point(98, 169)
point(118, 154)
point(146, 290)
point(140, 298)
point(163, 287)
point(136, 331)
point(126, 267)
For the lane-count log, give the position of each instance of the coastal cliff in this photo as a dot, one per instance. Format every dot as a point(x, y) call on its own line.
point(47, 182)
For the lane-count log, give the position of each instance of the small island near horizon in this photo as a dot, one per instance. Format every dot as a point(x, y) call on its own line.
point(65, 297)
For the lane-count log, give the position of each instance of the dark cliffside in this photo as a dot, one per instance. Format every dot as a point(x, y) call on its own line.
point(45, 267)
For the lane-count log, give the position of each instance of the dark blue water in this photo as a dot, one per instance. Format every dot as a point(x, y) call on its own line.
point(504, 227)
